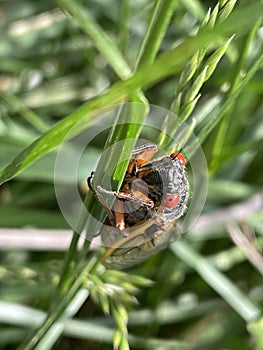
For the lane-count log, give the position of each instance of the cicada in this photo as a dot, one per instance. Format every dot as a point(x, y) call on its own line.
point(143, 220)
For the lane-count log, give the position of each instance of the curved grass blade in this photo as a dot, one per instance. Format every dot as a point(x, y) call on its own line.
point(168, 64)
point(245, 307)
point(98, 36)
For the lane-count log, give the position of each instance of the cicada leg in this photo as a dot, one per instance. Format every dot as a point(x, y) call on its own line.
point(101, 200)
point(147, 202)
point(119, 214)
point(138, 198)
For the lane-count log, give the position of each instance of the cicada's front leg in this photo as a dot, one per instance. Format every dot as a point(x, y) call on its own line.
point(100, 199)
point(134, 197)
point(138, 198)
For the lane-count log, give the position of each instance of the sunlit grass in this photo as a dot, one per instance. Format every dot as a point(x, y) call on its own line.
point(61, 69)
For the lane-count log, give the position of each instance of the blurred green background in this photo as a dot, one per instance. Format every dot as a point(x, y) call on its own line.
point(207, 291)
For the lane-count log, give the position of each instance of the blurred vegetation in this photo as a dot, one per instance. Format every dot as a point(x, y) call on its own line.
point(61, 64)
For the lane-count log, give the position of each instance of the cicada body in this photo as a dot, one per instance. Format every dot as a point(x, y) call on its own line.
point(152, 197)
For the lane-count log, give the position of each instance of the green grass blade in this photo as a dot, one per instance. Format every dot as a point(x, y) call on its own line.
point(99, 38)
point(195, 7)
point(31, 117)
point(127, 127)
point(116, 163)
point(123, 30)
point(53, 334)
point(220, 144)
point(247, 309)
point(58, 312)
point(120, 91)
point(196, 72)
point(217, 117)
point(256, 329)
point(161, 17)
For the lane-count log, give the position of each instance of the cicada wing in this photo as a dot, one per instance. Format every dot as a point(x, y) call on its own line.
point(138, 248)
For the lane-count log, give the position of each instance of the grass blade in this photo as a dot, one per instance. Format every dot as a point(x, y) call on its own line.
point(248, 310)
point(99, 38)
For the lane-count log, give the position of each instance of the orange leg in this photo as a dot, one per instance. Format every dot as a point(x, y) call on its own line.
point(127, 196)
point(119, 214)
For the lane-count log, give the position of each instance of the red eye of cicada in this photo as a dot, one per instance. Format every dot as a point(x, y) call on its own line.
point(179, 156)
point(171, 200)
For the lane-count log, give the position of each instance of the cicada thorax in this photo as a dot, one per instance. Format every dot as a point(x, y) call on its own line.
point(168, 186)
point(148, 228)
